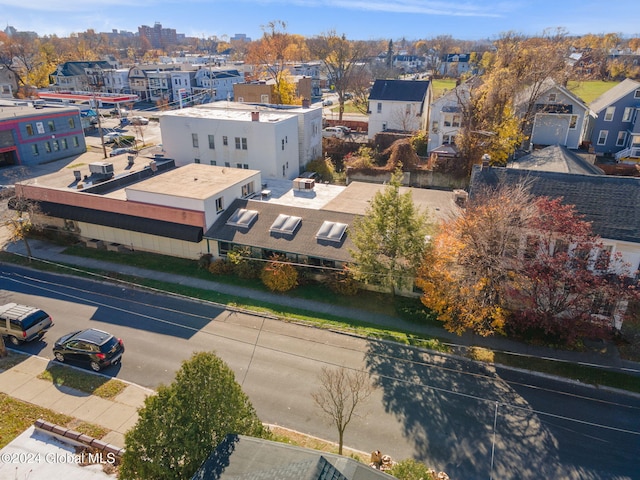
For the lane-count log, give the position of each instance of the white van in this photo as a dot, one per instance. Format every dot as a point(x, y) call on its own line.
point(332, 132)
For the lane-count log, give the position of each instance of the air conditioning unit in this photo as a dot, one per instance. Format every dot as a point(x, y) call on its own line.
point(101, 168)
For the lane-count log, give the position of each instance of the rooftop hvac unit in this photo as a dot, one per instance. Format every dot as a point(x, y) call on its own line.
point(101, 171)
point(101, 168)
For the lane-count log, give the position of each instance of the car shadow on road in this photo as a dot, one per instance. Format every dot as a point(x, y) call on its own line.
point(449, 406)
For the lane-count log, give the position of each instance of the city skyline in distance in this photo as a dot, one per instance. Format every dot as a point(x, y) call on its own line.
point(357, 19)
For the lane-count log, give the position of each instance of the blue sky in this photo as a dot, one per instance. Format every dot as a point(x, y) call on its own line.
point(358, 19)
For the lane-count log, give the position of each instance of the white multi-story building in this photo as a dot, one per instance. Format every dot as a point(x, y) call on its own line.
point(278, 141)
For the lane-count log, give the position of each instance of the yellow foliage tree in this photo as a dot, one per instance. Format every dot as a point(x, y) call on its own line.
point(279, 276)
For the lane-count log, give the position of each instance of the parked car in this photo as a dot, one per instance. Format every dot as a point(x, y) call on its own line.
point(120, 151)
point(327, 103)
point(334, 132)
point(345, 130)
point(112, 137)
point(139, 120)
point(123, 112)
point(22, 323)
point(94, 347)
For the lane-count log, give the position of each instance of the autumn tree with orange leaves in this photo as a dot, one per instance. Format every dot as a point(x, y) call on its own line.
point(515, 263)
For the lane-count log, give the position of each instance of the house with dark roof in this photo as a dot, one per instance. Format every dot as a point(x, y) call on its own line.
point(79, 76)
point(615, 131)
point(454, 64)
point(609, 203)
point(239, 457)
point(399, 106)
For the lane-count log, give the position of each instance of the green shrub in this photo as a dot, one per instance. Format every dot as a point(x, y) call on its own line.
point(204, 261)
point(480, 354)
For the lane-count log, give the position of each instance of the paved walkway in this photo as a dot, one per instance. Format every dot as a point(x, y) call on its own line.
point(120, 413)
point(116, 415)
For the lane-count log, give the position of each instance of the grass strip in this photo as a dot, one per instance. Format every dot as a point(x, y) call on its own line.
point(98, 385)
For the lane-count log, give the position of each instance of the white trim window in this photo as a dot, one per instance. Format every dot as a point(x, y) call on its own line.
point(622, 138)
point(609, 113)
point(602, 137)
point(573, 122)
point(628, 114)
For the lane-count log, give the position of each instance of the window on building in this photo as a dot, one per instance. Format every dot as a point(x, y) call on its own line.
point(244, 143)
point(238, 165)
point(573, 122)
point(264, 98)
point(245, 166)
point(553, 97)
point(47, 147)
point(628, 114)
point(225, 141)
point(34, 150)
point(51, 125)
point(64, 144)
point(196, 160)
point(448, 139)
point(407, 109)
point(227, 164)
point(560, 247)
point(56, 145)
point(602, 305)
point(602, 137)
point(194, 140)
point(212, 162)
point(434, 126)
point(237, 143)
point(212, 143)
point(608, 114)
point(283, 144)
point(247, 189)
point(636, 94)
point(76, 142)
point(621, 139)
point(379, 107)
point(604, 258)
point(72, 122)
point(29, 129)
point(219, 204)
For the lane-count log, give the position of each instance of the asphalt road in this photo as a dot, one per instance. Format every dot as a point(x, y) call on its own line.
point(438, 409)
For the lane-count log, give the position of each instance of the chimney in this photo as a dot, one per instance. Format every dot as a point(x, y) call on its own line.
point(255, 116)
point(305, 103)
point(486, 158)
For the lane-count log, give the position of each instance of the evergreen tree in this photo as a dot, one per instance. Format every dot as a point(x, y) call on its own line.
point(390, 239)
point(179, 426)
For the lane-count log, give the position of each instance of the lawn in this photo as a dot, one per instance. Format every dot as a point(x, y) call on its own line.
point(442, 85)
point(588, 91)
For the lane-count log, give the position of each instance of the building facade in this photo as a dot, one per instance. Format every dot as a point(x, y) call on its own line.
point(30, 136)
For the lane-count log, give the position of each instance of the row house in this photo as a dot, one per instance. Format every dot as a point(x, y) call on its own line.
point(183, 83)
point(455, 64)
point(142, 78)
point(79, 76)
point(615, 130)
point(216, 83)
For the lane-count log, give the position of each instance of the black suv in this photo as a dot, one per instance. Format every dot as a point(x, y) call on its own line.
point(97, 348)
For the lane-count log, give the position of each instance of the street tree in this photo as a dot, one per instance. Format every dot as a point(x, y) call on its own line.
point(341, 393)
point(183, 422)
point(466, 271)
point(390, 239)
point(343, 59)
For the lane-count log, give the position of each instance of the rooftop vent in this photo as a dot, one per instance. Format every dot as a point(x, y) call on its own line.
point(255, 116)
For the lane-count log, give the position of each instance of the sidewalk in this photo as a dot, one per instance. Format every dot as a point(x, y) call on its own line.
point(120, 414)
point(117, 415)
point(53, 253)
